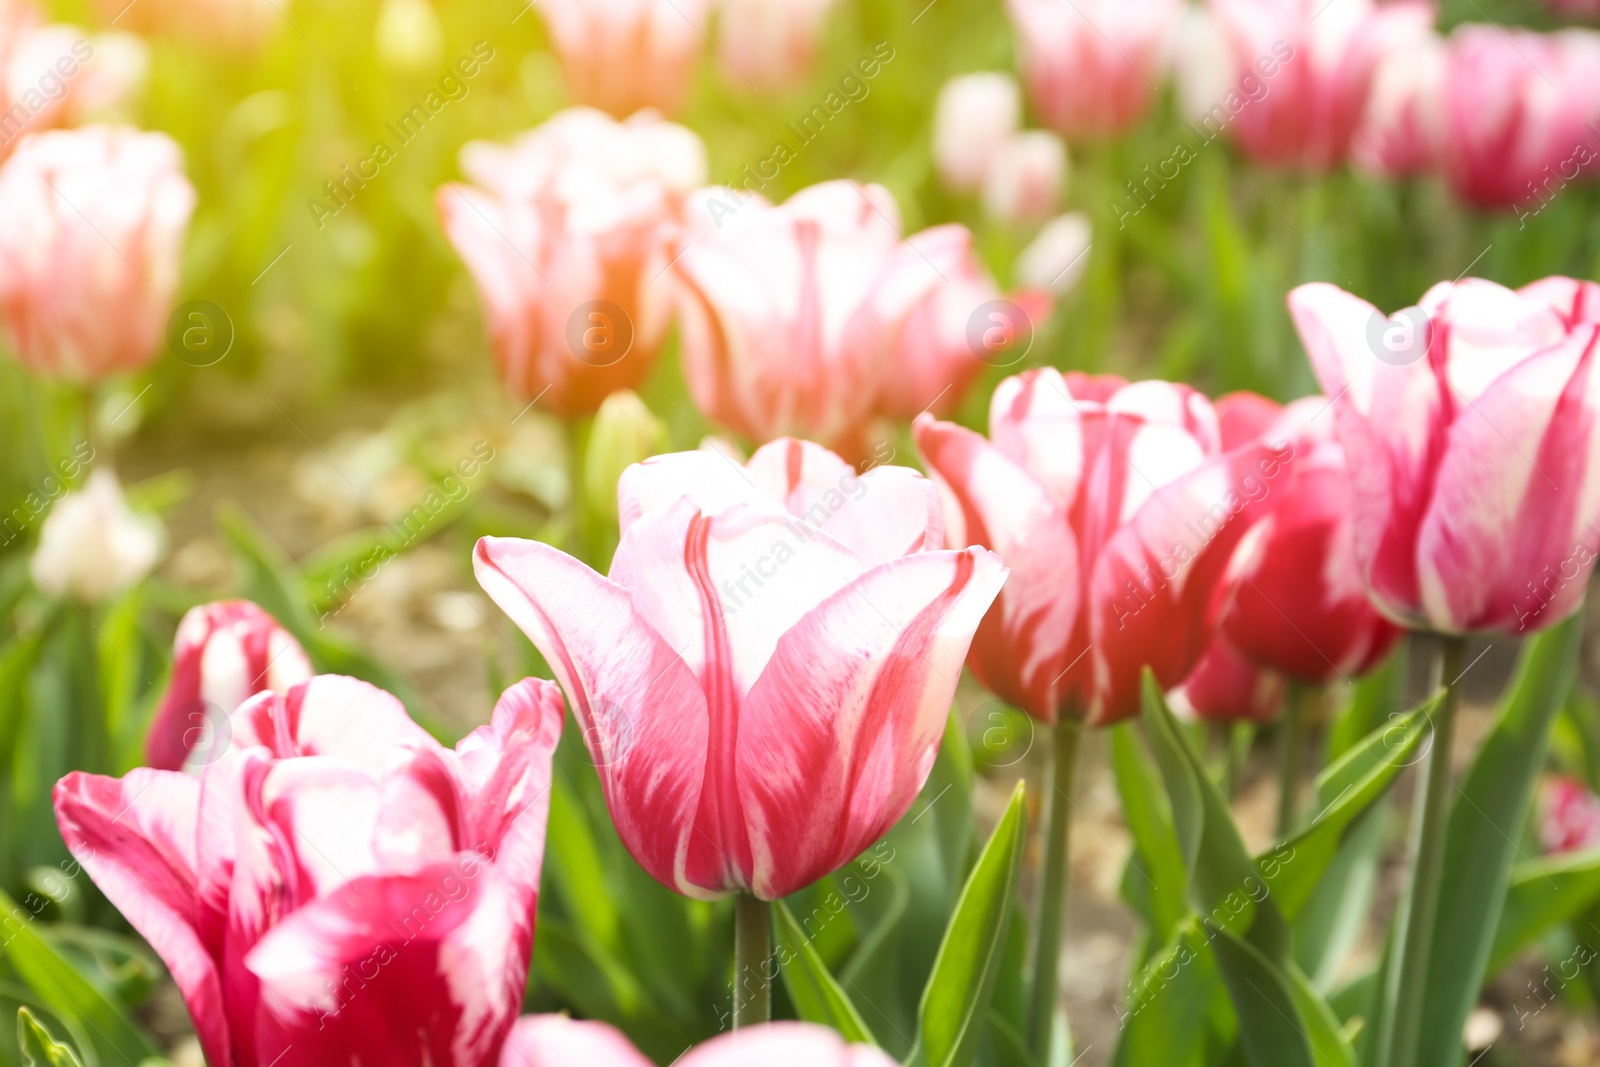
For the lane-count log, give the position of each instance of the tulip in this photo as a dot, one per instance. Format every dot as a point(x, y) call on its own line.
point(92, 223)
point(1402, 132)
point(566, 233)
point(557, 1041)
point(777, 309)
point(338, 887)
point(92, 545)
point(763, 680)
point(1203, 71)
point(1225, 687)
point(225, 652)
point(1092, 66)
point(1571, 815)
point(1023, 181)
point(239, 25)
point(623, 55)
point(943, 320)
point(1315, 63)
point(1520, 110)
point(1055, 259)
point(1468, 425)
point(975, 115)
point(773, 42)
point(1301, 608)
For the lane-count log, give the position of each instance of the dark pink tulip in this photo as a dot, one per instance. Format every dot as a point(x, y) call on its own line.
point(1520, 113)
point(1305, 70)
point(557, 1041)
point(1117, 510)
point(1092, 66)
point(225, 652)
point(764, 677)
point(1226, 687)
point(792, 317)
point(338, 887)
point(1571, 815)
point(567, 232)
point(1301, 608)
point(92, 223)
point(1470, 427)
point(1402, 132)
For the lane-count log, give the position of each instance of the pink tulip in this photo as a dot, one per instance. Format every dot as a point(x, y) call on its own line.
point(975, 115)
point(1469, 428)
point(1092, 66)
point(53, 75)
point(1571, 819)
point(1315, 62)
point(567, 234)
point(623, 55)
point(1402, 132)
point(1520, 110)
point(225, 652)
point(337, 888)
point(92, 223)
point(1226, 687)
point(557, 1041)
point(770, 44)
point(1301, 608)
point(1118, 509)
point(764, 678)
point(789, 315)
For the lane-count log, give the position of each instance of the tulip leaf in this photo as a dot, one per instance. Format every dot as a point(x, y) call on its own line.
point(39, 1046)
point(1169, 1001)
point(1157, 872)
point(1270, 1027)
point(1544, 893)
point(1491, 807)
point(1345, 790)
point(816, 994)
point(955, 1002)
point(1336, 914)
point(1373, 698)
point(67, 993)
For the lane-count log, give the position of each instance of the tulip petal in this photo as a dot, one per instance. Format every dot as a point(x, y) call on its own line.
point(840, 731)
point(136, 838)
point(400, 969)
point(558, 1041)
point(329, 715)
point(783, 1045)
point(1158, 583)
point(884, 514)
point(711, 479)
point(627, 687)
point(993, 502)
point(1510, 538)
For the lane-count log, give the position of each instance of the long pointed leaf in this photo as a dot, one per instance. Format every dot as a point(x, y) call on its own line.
point(817, 996)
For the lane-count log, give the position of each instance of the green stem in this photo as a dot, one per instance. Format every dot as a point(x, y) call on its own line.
point(1414, 929)
point(1239, 738)
point(752, 955)
point(1291, 754)
point(1053, 887)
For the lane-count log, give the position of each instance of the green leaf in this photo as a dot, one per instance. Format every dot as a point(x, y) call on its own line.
point(1169, 1001)
point(1160, 875)
point(39, 1047)
point(1544, 893)
point(817, 996)
point(955, 1002)
point(1373, 698)
point(1330, 1046)
point(1345, 790)
point(1491, 807)
point(1270, 1027)
point(58, 985)
point(1333, 919)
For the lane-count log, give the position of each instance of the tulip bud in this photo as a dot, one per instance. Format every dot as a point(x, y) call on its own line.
point(1056, 259)
point(624, 433)
point(225, 652)
point(410, 38)
point(773, 42)
point(1226, 687)
point(92, 545)
point(975, 116)
point(1570, 815)
point(1024, 180)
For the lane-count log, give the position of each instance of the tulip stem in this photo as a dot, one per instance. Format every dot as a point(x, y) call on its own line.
point(1053, 887)
point(752, 952)
point(1414, 925)
point(1291, 754)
